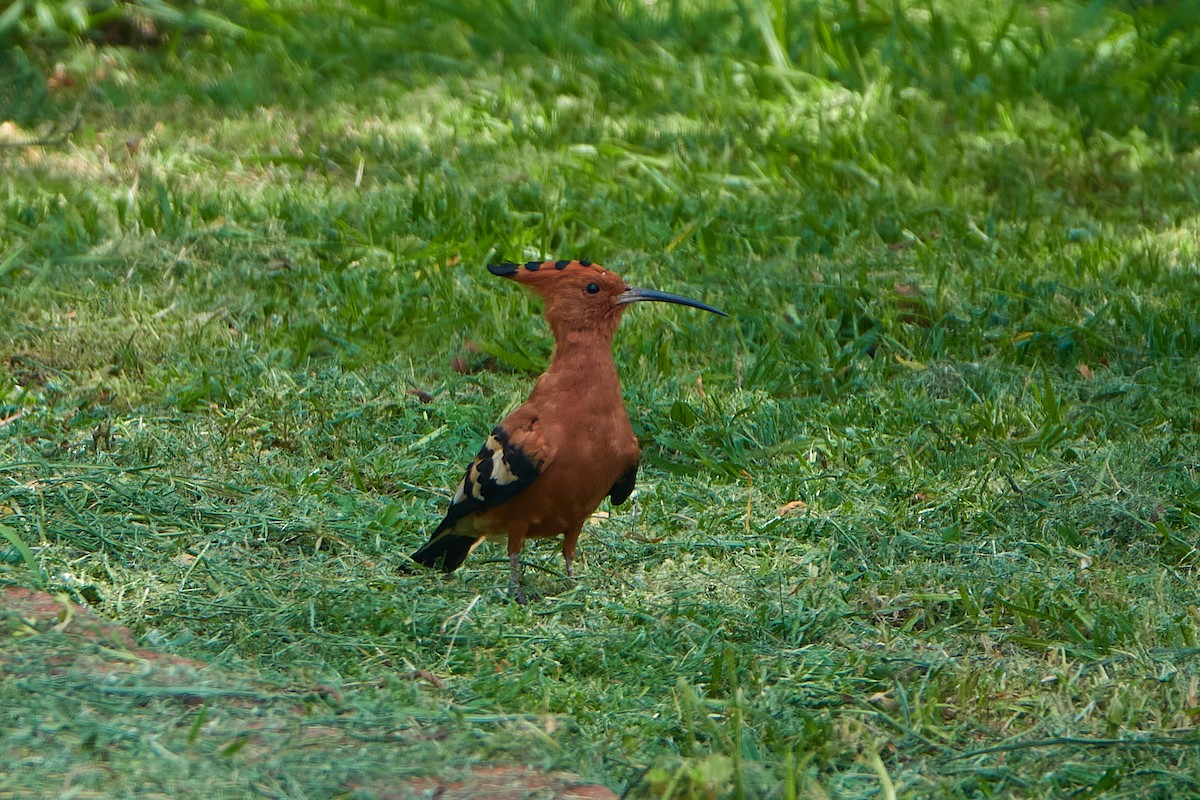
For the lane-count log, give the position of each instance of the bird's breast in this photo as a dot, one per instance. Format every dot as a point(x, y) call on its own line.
point(593, 451)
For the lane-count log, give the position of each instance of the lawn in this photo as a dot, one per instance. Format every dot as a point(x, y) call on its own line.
point(920, 519)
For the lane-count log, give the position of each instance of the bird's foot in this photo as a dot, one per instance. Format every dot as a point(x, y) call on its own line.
point(518, 594)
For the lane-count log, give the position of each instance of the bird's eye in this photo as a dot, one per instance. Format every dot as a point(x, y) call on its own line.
point(592, 288)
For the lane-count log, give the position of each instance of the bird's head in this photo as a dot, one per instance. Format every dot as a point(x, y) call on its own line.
point(582, 296)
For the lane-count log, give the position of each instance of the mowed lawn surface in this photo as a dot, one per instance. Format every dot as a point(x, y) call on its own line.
point(918, 520)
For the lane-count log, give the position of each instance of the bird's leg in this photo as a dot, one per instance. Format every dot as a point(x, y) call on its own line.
point(515, 543)
point(514, 576)
point(569, 550)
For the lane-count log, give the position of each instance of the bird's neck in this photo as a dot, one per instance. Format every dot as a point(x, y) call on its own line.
point(582, 351)
point(582, 365)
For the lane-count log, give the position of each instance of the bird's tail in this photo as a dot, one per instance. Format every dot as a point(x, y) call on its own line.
point(446, 551)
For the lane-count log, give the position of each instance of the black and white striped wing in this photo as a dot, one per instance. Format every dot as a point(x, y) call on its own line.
point(501, 471)
point(509, 462)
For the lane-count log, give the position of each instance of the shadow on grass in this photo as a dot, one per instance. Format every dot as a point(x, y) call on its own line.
point(101, 713)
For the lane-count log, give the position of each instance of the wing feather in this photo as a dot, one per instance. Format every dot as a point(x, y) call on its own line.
point(624, 486)
point(504, 467)
point(511, 459)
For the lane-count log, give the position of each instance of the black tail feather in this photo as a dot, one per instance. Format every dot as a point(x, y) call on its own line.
point(446, 552)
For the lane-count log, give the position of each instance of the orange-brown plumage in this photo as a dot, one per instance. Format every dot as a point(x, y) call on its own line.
point(550, 463)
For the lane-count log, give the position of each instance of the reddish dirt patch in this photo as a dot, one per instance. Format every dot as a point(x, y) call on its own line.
point(504, 783)
point(38, 612)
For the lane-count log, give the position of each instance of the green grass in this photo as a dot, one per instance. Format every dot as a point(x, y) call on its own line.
point(958, 243)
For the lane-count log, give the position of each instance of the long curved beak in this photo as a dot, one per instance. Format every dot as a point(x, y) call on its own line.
point(632, 295)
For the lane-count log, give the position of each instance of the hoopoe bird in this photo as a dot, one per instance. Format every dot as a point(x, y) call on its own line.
point(548, 465)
